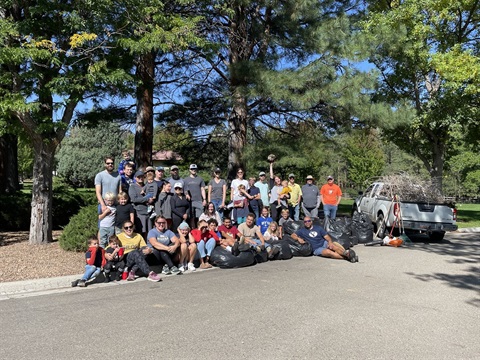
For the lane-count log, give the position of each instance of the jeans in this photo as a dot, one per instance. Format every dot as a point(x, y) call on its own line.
point(330, 211)
point(294, 211)
point(259, 243)
point(91, 271)
point(105, 233)
point(217, 204)
point(209, 245)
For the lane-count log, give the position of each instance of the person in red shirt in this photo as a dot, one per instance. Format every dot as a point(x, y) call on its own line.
point(229, 232)
point(330, 196)
point(206, 241)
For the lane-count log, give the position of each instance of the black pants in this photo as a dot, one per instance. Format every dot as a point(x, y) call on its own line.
point(163, 257)
point(136, 260)
point(114, 266)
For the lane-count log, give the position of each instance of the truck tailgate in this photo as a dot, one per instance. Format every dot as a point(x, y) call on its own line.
point(427, 212)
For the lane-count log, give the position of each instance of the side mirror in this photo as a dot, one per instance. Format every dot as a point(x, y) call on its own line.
point(360, 193)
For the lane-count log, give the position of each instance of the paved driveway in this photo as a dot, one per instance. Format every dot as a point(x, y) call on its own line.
point(416, 302)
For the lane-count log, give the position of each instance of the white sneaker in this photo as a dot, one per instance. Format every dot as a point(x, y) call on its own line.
point(181, 269)
point(191, 267)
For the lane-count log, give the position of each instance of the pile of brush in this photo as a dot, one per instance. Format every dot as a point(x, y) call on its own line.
point(410, 188)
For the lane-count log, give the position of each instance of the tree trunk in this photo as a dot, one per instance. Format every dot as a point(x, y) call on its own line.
point(144, 122)
point(9, 164)
point(42, 192)
point(237, 139)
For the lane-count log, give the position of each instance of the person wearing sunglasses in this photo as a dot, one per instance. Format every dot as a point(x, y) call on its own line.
point(135, 252)
point(106, 181)
point(322, 243)
point(165, 246)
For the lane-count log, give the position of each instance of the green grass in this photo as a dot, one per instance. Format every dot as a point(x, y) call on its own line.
point(468, 215)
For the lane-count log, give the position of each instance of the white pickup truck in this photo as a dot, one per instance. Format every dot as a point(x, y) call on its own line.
point(421, 217)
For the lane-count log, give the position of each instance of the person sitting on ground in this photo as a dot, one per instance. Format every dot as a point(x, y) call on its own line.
point(285, 217)
point(188, 249)
point(135, 251)
point(264, 220)
point(114, 257)
point(165, 245)
point(95, 261)
point(206, 241)
point(210, 213)
point(273, 233)
point(125, 211)
point(322, 243)
point(106, 223)
point(230, 233)
point(250, 234)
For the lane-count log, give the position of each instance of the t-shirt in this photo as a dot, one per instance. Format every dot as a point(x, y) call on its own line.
point(164, 238)
point(315, 235)
point(282, 221)
point(151, 188)
point(98, 257)
point(198, 235)
point(116, 258)
point(263, 223)
point(123, 214)
point(233, 231)
point(235, 184)
point(193, 185)
point(295, 193)
point(250, 232)
point(110, 182)
point(263, 187)
point(330, 193)
point(109, 219)
point(216, 193)
point(310, 194)
point(131, 243)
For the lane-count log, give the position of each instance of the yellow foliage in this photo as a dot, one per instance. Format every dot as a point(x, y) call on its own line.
point(77, 40)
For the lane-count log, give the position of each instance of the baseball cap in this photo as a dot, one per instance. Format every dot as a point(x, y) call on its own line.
point(309, 177)
point(139, 173)
point(193, 167)
point(178, 185)
point(217, 170)
point(149, 168)
point(291, 175)
point(160, 168)
point(261, 173)
point(330, 177)
point(183, 226)
point(174, 167)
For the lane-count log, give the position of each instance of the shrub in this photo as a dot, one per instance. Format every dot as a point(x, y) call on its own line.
point(15, 211)
point(79, 229)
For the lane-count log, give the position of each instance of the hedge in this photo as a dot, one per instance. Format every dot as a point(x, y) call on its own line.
point(81, 226)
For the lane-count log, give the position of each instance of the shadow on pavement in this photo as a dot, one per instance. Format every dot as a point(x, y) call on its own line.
point(462, 249)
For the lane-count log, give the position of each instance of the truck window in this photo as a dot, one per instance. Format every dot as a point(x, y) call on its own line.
point(375, 190)
point(368, 191)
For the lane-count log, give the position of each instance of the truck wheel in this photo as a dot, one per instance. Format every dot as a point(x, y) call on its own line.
point(380, 223)
point(436, 236)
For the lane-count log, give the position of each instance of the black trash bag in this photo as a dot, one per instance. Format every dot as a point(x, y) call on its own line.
point(290, 226)
point(362, 228)
point(284, 252)
point(298, 249)
point(226, 260)
point(340, 230)
point(261, 257)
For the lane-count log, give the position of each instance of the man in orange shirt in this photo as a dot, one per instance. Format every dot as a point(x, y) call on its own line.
point(330, 196)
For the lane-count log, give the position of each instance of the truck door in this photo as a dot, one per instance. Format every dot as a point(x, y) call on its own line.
point(366, 201)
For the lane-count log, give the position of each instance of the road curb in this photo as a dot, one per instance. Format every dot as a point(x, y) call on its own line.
point(469, 230)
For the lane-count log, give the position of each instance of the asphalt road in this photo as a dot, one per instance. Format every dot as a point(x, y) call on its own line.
point(416, 302)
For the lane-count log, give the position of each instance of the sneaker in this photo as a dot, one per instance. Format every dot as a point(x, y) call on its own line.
point(174, 270)
point(191, 267)
point(75, 283)
point(154, 214)
point(131, 275)
point(279, 206)
point(82, 283)
point(181, 268)
point(166, 270)
point(351, 256)
point(153, 276)
point(107, 277)
point(258, 249)
point(273, 251)
point(235, 250)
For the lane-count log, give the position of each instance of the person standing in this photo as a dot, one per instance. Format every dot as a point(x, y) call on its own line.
point(330, 195)
point(295, 198)
point(174, 178)
point(127, 177)
point(194, 188)
point(310, 198)
point(217, 192)
point(254, 197)
point(140, 204)
point(179, 206)
point(107, 181)
point(160, 177)
point(262, 185)
point(239, 180)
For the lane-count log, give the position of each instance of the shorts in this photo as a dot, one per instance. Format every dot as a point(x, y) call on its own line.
point(318, 251)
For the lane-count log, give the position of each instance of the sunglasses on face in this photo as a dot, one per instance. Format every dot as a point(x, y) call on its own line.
point(160, 222)
point(128, 227)
point(109, 163)
point(307, 221)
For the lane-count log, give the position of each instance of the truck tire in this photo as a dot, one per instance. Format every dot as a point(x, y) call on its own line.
point(380, 223)
point(436, 236)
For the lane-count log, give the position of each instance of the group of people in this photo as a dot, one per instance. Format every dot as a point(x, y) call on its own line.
point(144, 217)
